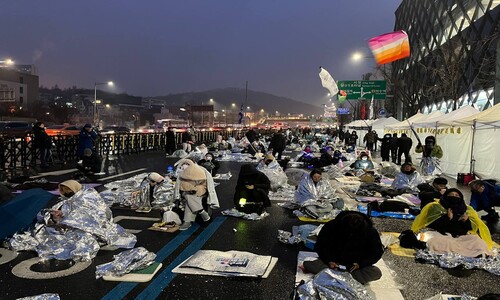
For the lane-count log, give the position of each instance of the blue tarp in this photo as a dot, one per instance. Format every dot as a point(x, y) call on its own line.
point(388, 214)
point(19, 213)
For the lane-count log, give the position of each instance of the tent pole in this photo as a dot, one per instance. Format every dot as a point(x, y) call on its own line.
point(472, 148)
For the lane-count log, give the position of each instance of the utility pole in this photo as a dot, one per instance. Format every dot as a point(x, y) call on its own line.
point(244, 109)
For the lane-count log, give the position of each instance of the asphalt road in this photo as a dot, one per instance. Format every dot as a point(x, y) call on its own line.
point(417, 281)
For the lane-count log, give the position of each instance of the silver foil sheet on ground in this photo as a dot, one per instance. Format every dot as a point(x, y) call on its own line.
point(41, 297)
point(238, 214)
point(126, 262)
point(287, 237)
point(451, 260)
point(299, 234)
point(334, 285)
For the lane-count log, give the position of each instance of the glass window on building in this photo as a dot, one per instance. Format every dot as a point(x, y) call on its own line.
point(21, 90)
point(21, 100)
point(21, 79)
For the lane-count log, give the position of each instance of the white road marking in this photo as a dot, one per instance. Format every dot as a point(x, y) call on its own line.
point(122, 174)
point(23, 269)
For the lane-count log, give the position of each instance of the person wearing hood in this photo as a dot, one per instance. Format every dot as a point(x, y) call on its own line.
point(348, 243)
point(370, 140)
point(272, 169)
point(316, 196)
point(484, 197)
point(363, 162)
point(430, 193)
point(326, 157)
point(86, 139)
point(338, 157)
point(42, 141)
point(431, 152)
point(404, 147)
point(306, 156)
point(408, 178)
point(152, 189)
point(67, 189)
point(252, 189)
point(192, 185)
point(394, 148)
point(385, 147)
point(210, 163)
point(353, 138)
point(450, 215)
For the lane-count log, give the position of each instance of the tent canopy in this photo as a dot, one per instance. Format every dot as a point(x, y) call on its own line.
point(491, 116)
point(418, 117)
point(447, 119)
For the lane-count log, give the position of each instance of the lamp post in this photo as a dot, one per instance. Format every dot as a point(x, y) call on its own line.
point(7, 62)
point(95, 116)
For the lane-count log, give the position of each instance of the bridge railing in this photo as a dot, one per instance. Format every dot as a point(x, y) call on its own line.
point(20, 153)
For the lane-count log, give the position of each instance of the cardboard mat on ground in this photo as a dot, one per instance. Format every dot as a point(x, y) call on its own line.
point(228, 264)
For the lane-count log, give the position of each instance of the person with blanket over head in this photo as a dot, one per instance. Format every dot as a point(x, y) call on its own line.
point(252, 189)
point(316, 195)
point(450, 216)
point(348, 243)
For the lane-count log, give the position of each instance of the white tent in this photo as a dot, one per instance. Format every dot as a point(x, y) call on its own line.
point(446, 119)
point(485, 140)
point(405, 125)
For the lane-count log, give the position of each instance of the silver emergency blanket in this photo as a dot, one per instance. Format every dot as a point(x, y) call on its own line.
point(299, 234)
point(238, 214)
point(223, 176)
point(430, 166)
point(333, 285)
point(452, 260)
point(307, 190)
point(295, 175)
point(41, 297)
point(237, 157)
point(335, 171)
point(87, 223)
point(411, 181)
point(284, 193)
point(134, 192)
point(321, 216)
point(389, 169)
point(126, 262)
point(275, 173)
point(180, 153)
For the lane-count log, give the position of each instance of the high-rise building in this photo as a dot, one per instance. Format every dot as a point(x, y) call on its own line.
point(18, 86)
point(454, 55)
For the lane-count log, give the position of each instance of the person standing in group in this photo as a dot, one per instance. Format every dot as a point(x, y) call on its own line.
point(375, 136)
point(170, 145)
point(386, 146)
point(369, 139)
point(86, 139)
point(42, 141)
point(394, 147)
point(404, 147)
point(278, 144)
point(353, 138)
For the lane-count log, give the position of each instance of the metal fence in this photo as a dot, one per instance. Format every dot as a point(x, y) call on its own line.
point(20, 153)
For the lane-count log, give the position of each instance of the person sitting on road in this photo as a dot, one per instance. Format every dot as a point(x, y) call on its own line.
point(152, 189)
point(350, 243)
point(210, 163)
point(67, 189)
point(363, 162)
point(408, 178)
point(484, 197)
point(272, 169)
point(316, 196)
point(193, 184)
point(252, 189)
point(430, 193)
point(91, 162)
point(450, 215)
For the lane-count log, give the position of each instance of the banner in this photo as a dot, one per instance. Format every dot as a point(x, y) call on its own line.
point(328, 82)
point(389, 47)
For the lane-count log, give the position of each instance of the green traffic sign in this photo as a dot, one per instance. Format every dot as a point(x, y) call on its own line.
point(362, 89)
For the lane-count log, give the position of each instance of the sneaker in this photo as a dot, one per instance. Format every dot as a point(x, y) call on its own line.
point(185, 226)
point(205, 216)
point(143, 210)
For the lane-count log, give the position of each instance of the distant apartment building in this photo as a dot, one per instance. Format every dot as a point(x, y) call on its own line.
point(454, 58)
point(18, 86)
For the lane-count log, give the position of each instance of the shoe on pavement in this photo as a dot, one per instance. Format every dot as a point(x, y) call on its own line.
point(205, 216)
point(185, 226)
point(143, 210)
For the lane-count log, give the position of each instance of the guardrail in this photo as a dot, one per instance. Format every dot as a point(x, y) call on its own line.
point(20, 153)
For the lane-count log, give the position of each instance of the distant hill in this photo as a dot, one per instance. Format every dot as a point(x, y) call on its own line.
point(256, 100)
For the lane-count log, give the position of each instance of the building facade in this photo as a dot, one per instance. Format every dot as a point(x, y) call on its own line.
point(454, 55)
point(18, 87)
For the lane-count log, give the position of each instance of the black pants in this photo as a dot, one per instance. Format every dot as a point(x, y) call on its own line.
point(363, 275)
point(369, 146)
point(407, 156)
point(384, 152)
point(394, 154)
point(277, 154)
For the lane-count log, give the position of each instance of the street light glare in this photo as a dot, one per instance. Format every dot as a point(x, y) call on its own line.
point(356, 56)
point(9, 61)
point(111, 83)
point(211, 100)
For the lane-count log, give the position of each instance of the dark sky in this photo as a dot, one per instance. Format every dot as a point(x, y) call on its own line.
point(159, 47)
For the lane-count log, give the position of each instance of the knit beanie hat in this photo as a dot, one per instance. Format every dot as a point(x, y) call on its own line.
point(153, 176)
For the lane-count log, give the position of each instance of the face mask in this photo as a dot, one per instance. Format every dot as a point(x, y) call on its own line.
point(453, 199)
point(408, 172)
point(364, 158)
point(208, 158)
point(68, 194)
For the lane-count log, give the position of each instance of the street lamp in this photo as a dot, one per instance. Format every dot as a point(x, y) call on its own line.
point(96, 115)
point(8, 62)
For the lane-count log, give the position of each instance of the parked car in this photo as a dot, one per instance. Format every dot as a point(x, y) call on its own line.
point(15, 128)
point(115, 129)
point(63, 130)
